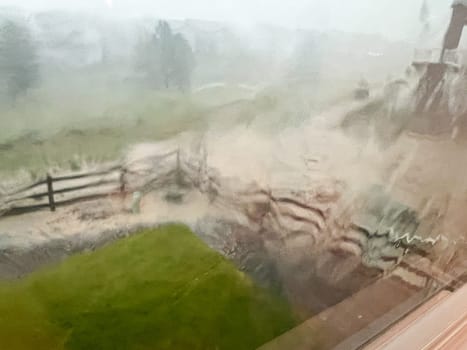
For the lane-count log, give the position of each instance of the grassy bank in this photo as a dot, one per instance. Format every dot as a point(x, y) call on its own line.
point(160, 289)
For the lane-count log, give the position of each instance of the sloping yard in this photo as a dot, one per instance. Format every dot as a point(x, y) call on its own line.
point(158, 289)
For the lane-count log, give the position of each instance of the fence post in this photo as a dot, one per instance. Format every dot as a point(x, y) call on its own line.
point(122, 180)
point(50, 191)
point(179, 179)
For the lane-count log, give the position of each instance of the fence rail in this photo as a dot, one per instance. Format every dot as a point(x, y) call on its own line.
point(52, 189)
point(82, 176)
point(453, 57)
point(49, 194)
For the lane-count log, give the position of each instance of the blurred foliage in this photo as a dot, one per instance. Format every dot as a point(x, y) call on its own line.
point(18, 60)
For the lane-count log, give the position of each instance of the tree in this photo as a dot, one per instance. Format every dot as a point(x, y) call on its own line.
point(306, 59)
point(18, 59)
point(183, 62)
point(425, 16)
point(166, 58)
point(424, 12)
point(165, 44)
point(148, 62)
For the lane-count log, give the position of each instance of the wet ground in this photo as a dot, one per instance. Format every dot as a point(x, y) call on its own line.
point(315, 228)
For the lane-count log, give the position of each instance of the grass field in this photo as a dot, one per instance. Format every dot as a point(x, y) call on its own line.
point(57, 127)
point(159, 289)
point(94, 138)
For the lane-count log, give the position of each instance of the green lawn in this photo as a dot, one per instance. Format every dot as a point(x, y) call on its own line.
point(159, 289)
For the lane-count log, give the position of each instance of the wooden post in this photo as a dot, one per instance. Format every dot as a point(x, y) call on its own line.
point(178, 159)
point(178, 175)
point(50, 191)
point(122, 180)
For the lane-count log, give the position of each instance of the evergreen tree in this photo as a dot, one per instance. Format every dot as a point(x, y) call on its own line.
point(166, 59)
point(165, 44)
point(183, 62)
point(148, 62)
point(18, 59)
point(306, 60)
point(425, 16)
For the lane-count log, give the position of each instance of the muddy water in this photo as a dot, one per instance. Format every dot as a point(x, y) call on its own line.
point(304, 210)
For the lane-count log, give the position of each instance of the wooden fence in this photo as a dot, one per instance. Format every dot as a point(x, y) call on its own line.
point(53, 191)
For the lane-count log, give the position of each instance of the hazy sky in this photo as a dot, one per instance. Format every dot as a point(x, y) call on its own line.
point(397, 19)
